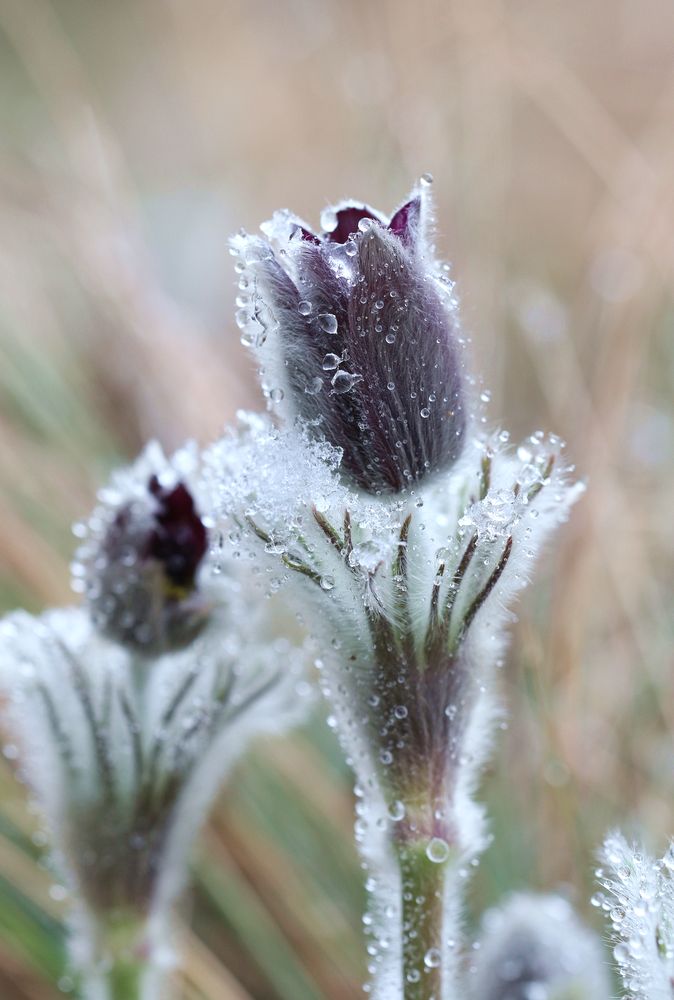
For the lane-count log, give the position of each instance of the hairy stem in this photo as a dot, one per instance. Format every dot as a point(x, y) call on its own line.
point(422, 886)
point(121, 963)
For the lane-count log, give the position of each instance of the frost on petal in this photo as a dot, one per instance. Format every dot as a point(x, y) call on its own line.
point(535, 946)
point(638, 897)
point(142, 550)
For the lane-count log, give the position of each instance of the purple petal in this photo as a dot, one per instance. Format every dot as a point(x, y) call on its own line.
point(405, 223)
point(178, 540)
point(307, 235)
point(347, 222)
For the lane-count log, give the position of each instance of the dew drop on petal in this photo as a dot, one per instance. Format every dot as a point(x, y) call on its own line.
point(314, 386)
point(330, 362)
point(304, 308)
point(328, 322)
point(344, 381)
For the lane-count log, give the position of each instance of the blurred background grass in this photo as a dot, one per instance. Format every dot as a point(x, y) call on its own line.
point(135, 135)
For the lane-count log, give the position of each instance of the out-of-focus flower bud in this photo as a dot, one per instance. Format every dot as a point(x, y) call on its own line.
point(535, 948)
point(358, 332)
point(139, 563)
point(638, 899)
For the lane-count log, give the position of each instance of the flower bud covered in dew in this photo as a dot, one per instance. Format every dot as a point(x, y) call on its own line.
point(536, 948)
point(403, 533)
point(143, 547)
point(638, 899)
point(358, 335)
point(124, 750)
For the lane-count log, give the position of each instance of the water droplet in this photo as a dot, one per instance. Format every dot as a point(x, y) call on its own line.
point(242, 318)
point(621, 952)
point(327, 582)
point(432, 958)
point(330, 362)
point(276, 395)
point(397, 810)
point(400, 712)
point(390, 338)
point(437, 850)
point(350, 248)
point(425, 412)
point(390, 386)
point(314, 386)
point(304, 308)
point(426, 180)
point(365, 224)
point(523, 454)
point(344, 381)
point(328, 322)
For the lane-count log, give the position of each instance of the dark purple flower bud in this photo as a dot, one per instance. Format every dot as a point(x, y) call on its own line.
point(179, 540)
point(140, 565)
point(360, 334)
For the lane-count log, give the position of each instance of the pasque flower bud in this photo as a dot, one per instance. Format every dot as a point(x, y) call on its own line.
point(410, 574)
point(139, 563)
point(358, 332)
point(535, 946)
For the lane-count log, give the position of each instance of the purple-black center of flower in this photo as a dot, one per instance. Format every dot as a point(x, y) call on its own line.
point(178, 539)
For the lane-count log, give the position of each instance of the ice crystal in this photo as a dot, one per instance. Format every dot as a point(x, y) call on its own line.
point(638, 899)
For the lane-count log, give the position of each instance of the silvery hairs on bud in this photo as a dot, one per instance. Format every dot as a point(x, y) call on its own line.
point(142, 550)
point(535, 948)
point(402, 531)
point(124, 745)
point(357, 330)
point(123, 774)
point(406, 598)
point(637, 895)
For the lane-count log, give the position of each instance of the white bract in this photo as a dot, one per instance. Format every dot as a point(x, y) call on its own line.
point(638, 899)
point(407, 597)
point(123, 745)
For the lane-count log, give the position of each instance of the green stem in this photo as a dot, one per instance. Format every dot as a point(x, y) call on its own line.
point(122, 966)
point(422, 886)
point(124, 980)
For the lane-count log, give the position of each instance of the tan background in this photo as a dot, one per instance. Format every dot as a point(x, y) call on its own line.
point(135, 136)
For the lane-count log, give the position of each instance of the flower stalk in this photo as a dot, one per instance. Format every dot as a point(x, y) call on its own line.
point(129, 713)
point(122, 961)
point(422, 881)
point(402, 532)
